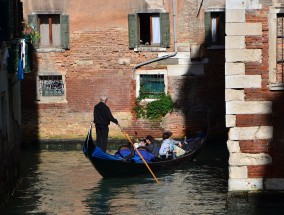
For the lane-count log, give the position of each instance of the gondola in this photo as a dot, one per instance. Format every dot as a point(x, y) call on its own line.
point(111, 166)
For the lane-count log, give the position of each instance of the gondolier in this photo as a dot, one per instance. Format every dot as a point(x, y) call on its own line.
point(102, 119)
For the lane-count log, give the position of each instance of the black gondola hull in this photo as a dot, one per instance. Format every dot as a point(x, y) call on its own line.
point(119, 168)
point(110, 168)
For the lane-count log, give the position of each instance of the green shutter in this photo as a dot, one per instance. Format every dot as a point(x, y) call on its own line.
point(133, 30)
point(64, 31)
point(165, 30)
point(207, 23)
point(222, 29)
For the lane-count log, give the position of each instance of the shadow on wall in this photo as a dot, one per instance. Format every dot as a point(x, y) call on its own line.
point(30, 114)
point(202, 97)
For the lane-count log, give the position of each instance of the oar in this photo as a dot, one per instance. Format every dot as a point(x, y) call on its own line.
point(139, 154)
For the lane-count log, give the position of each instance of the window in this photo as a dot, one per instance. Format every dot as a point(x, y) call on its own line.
point(280, 49)
point(49, 29)
point(51, 88)
point(148, 29)
point(276, 48)
point(215, 28)
point(150, 84)
point(53, 29)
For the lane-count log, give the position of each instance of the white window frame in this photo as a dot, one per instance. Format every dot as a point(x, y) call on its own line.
point(273, 11)
point(150, 72)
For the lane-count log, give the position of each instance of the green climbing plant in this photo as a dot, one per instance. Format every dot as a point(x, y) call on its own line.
point(155, 109)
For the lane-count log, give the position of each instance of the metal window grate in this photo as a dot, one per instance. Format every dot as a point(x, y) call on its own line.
point(51, 85)
point(151, 86)
point(279, 49)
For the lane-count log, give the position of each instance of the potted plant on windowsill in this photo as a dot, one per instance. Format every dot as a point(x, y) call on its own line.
point(30, 34)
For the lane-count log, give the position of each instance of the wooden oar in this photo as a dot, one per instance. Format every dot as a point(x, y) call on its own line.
point(139, 154)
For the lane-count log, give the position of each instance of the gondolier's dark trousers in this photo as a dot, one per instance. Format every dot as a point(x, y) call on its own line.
point(102, 136)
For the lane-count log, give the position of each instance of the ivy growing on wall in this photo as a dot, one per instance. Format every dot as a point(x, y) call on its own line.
point(155, 109)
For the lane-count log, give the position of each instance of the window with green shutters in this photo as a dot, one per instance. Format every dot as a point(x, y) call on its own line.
point(53, 30)
point(149, 30)
point(215, 28)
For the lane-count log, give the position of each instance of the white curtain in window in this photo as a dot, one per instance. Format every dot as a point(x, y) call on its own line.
point(214, 29)
point(156, 29)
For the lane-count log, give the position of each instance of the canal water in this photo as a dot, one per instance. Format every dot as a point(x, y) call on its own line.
point(60, 180)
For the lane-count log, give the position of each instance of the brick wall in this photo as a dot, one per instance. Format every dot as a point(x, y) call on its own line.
point(100, 62)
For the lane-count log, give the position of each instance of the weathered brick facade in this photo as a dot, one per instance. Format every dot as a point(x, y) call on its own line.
point(100, 62)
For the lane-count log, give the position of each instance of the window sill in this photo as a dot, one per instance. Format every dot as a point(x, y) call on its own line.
point(150, 49)
point(46, 50)
point(146, 101)
point(276, 86)
point(51, 101)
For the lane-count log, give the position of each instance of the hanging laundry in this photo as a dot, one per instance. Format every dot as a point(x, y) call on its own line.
point(5, 56)
point(23, 52)
point(20, 75)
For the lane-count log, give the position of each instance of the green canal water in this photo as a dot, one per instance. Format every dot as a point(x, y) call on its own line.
point(62, 181)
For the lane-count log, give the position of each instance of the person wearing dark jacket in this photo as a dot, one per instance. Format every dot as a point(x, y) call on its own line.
point(102, 119)
point(151, 145)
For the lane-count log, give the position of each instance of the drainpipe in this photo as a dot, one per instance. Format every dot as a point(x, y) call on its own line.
point(165, 56)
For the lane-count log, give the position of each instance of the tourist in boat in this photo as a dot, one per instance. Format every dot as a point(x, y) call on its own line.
point(151, 145)
point(102, 119)
point(175, 142)
point(168, 145)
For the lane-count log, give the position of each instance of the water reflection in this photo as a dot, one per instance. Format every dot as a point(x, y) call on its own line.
point(180, 192)
point(65, 182)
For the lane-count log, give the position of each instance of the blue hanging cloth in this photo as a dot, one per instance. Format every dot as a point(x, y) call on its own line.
point(20, 70)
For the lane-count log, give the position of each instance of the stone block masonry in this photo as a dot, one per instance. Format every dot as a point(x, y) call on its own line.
point(254, 113)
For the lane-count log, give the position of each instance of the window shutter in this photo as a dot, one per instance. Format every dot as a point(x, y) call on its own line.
point(165, 30)
point(207, 20)
point(222, 28)
point(133, 30)
point(64, 31)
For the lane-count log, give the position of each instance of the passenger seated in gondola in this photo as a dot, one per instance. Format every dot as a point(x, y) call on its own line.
point(151, 145)
point(142, 143)
point(126, 152)
point(178, 146)
point(168, 145)
point(175, 142)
